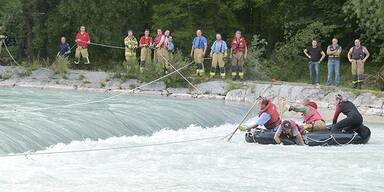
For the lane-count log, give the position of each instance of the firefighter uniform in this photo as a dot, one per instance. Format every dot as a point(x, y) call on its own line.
point(218, 52)
point(239, 51)
point(198, 46)
point(131, 45)
point(145, 52)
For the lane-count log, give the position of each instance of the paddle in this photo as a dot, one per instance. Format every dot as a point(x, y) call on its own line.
point(244, 118)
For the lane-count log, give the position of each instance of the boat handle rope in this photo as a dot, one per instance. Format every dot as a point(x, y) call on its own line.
point(334, 139)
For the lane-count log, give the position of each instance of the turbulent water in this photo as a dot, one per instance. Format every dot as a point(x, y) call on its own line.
point(32, 121)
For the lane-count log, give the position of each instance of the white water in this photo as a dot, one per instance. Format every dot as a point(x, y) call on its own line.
point(212, 165)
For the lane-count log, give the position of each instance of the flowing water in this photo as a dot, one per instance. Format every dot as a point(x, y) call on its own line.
point(146, 122)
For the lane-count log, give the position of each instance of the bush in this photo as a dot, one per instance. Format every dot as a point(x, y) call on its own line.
point(60, 66)
point(256, 67)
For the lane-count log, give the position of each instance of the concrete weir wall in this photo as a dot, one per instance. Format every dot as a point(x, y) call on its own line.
point(369, 103)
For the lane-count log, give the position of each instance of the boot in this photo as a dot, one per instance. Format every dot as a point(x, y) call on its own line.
point(234, 74)
point(212, 73)
point(241, 75)
point(222, 72)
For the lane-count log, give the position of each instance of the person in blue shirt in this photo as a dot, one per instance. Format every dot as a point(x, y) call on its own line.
point(198, 51)
point(64, 48)
point(218, 53)
point(171, 45)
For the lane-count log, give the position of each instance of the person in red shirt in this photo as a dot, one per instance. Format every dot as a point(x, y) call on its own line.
point(82, 40)
point(159, 39)
point(239, 50)
point(145, 43)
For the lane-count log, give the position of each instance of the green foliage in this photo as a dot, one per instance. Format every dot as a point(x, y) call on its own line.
point(256, 66)
point(60, 66)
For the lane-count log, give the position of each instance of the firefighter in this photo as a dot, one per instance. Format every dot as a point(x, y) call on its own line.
point(239, 50)
point(218, 52)
point(198, 51)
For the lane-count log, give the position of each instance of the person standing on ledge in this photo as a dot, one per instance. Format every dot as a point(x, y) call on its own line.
point(145, 52)
point(82, 40)
point(315, 56)
point(64, 48)
point(219, 50)
point(131, 45)
point(239, 50)
point(358, 55)
point(333, 52)
point(198, 51)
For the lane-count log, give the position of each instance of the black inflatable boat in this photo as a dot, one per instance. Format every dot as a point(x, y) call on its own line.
point(361, 135)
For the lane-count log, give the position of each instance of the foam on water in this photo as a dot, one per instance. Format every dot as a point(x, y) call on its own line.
point(209, 165)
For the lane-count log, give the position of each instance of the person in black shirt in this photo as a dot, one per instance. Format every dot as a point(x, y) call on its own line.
point(316, 56)
point(64, 48)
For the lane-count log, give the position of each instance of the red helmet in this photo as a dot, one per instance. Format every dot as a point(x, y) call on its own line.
point(311, 104)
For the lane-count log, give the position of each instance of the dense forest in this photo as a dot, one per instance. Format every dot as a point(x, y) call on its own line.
point(287, 27)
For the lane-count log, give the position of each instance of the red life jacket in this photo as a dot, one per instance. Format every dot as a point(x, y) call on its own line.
point(272, 111)
point(238, 45)
point(312, 116)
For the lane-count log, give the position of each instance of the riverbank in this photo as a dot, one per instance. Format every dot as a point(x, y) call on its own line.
point(371, 104)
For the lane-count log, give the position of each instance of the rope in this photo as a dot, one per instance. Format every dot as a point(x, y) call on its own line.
point(109, 148)
point(105, 99)
point(197, 89)
point(109, 46)
point(9, 53)
point(334, 139)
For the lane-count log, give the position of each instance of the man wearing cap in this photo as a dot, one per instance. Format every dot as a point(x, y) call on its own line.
point(198, 51)
point(82, 40)
point(218, 52)
point(239, 52)
point(291, 130)
point(353, 120)
point(358, 55)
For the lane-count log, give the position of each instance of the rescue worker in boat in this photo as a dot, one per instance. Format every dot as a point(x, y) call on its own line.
point(313, 121)
point(269, 117)
point(145, 52)
point(239, 50)
point(291, 130)
point(354, 119)
point(198, 51)
point(218, 53)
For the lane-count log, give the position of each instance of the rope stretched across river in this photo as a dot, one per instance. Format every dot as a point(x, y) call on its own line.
point(110, 148)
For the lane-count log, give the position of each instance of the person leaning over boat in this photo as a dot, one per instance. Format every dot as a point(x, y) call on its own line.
point(218, 53)
point(64, 48)
point(239, 50)
point(358, 55)
point(82, 40)
point(145, 51)
point(353, 120)
point(269, 117)
point(313, 121)
point(291, 130)
point(131, 45)
point(198, 51)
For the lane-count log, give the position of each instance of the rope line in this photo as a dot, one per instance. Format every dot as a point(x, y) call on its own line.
point(110, 148)
point(331, 137)
point(169, 63)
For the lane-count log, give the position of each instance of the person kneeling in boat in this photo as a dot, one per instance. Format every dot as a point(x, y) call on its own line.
point(291, 130)
point(313, 120)
point(354, 119)
point(269, 117)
